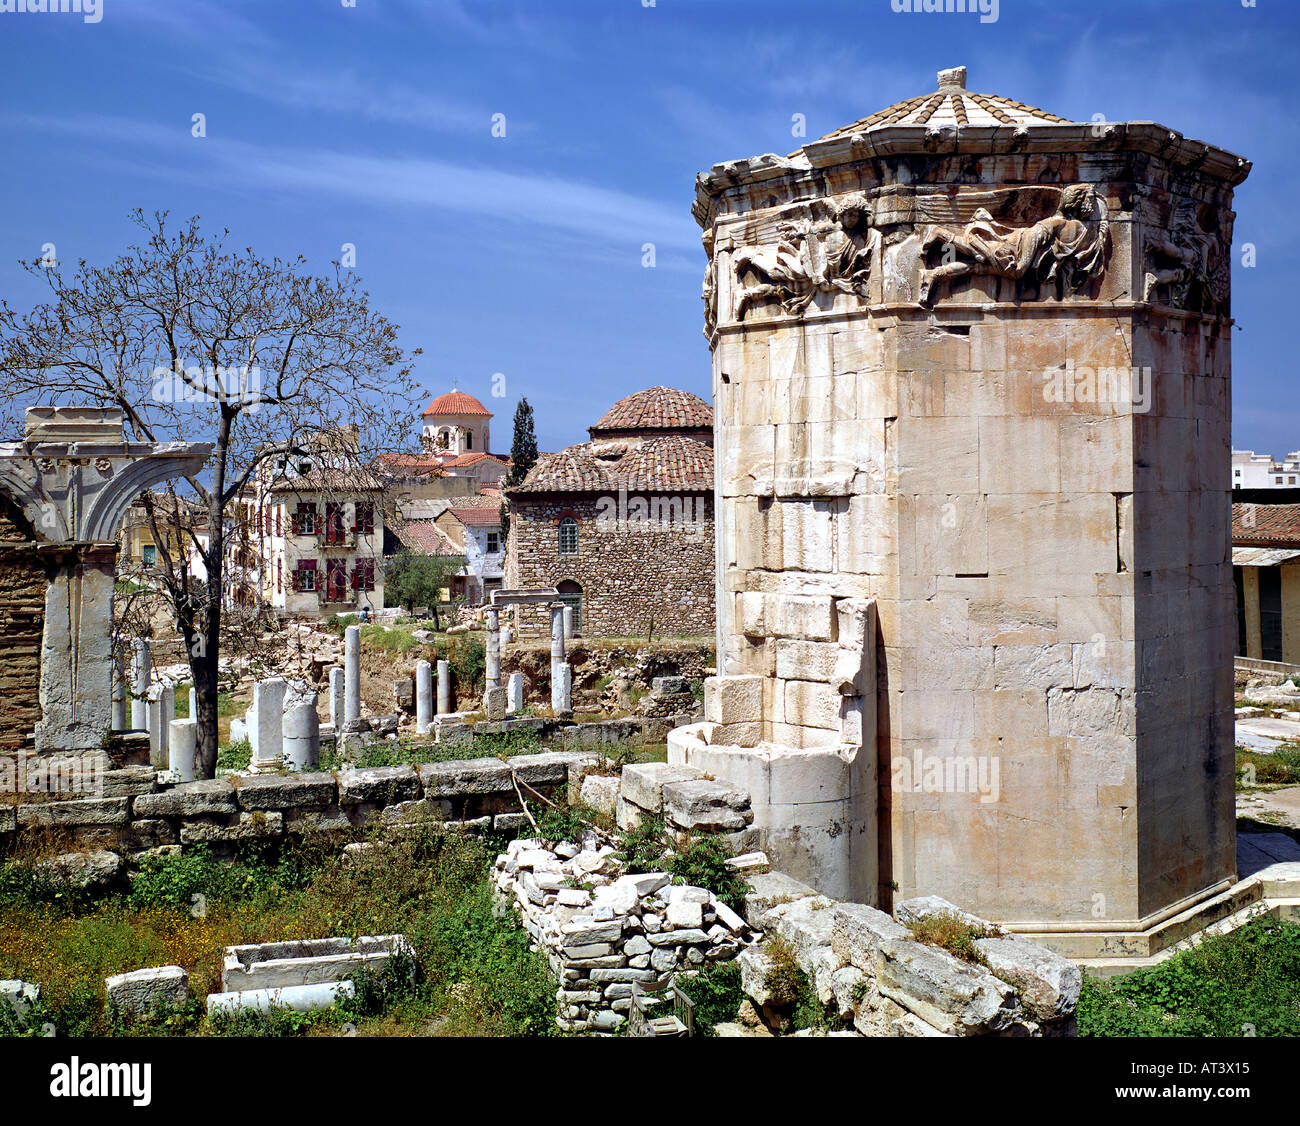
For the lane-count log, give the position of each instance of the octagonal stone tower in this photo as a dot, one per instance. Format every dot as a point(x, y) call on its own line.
point(971, 376)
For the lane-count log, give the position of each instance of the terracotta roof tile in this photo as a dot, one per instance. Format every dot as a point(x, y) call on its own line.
point(455, 402)
point(1260, 524)
point(422, 536)
point(656, 408)
point(673, 463)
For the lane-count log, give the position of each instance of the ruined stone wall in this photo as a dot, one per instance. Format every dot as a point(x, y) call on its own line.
point(22, 618)
point(632, 580)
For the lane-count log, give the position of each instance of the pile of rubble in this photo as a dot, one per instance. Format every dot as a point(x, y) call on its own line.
point(875, 974)
point(604, 931)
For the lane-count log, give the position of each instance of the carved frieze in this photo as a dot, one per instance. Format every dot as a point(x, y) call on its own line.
point(1187, 265)
point(1072, 245)
point(827, 250)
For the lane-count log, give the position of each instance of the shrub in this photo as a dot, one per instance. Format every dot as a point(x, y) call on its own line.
point(716, 992)
point(952, 933)
point(641, 849)
point(702, 861)
point(1223, 986)
point(236, 756)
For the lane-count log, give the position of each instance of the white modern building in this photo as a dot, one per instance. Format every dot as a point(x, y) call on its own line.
point(1262, 471)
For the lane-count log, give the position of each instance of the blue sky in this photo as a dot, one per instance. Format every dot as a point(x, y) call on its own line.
point(372, 125)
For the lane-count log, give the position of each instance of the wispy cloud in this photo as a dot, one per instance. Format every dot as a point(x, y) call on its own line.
point(518, 198)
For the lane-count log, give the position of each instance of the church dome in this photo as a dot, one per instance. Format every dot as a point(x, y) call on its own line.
point(455, 403)
point(655, 409)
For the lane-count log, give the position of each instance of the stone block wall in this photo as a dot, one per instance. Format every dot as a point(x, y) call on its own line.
point(129, 811)
point(23, 582)
point(602, 931)
point(630, 579)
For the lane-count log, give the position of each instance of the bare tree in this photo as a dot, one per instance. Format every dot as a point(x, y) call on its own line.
point(196, 342)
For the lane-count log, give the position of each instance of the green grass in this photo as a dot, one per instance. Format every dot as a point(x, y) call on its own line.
point(1280, 768)
point(1243, 983)
point(475, 973)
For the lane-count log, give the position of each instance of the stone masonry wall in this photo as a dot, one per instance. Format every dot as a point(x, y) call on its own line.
point(631, 580)
point(131, 812)
point(22, 619)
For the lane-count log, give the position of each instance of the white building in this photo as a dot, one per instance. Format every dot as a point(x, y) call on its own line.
point(322, 532)
point(1262, 471)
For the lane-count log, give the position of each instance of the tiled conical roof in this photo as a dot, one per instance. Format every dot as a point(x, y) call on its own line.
point(952, 104)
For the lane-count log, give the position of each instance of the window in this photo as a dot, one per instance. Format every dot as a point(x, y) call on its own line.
point(304, 578)
point(571, 595)
point(149, 554)
point(335, 532)
point(304, 520)
point(363, 575)
point(493, 542)
point(469, 439)
point(279, 522)
point(1277, 480)
point(568, 536)
point(336, 580)
point(365, 518)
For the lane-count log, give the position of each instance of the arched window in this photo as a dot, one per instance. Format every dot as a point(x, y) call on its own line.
point(568, 536)
point(571, 595)
point(469, 439)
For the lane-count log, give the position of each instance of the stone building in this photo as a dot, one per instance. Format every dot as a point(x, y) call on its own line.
point(473, 525)
point(622, 525)
point(1266, 579)
point(971, 374)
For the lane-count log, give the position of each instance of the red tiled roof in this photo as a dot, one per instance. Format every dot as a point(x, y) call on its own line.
point(480, 517)
point(673, 463)
point(422, 536)
point(417, 465)
point(656, 408)
point(455, 402)
point(1254, 525)
point(461, 460)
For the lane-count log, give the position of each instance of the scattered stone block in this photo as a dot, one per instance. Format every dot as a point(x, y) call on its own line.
point(139, 993)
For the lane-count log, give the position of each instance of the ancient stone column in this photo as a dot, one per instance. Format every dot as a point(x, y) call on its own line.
point(162, 711)
point(423, 696)
point(336, 695)
point(352, 674)
point(568, 623)
point(444, 688)
point(557, 643)
point(562, 690)
point(194, 703)
point(182, 741)
point(300, 727)
point(493, 645)
point(140, 674)
point(515, 692)
point(265, 731)
point(121, 713)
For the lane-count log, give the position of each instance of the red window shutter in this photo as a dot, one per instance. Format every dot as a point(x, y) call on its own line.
point(279, 527)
